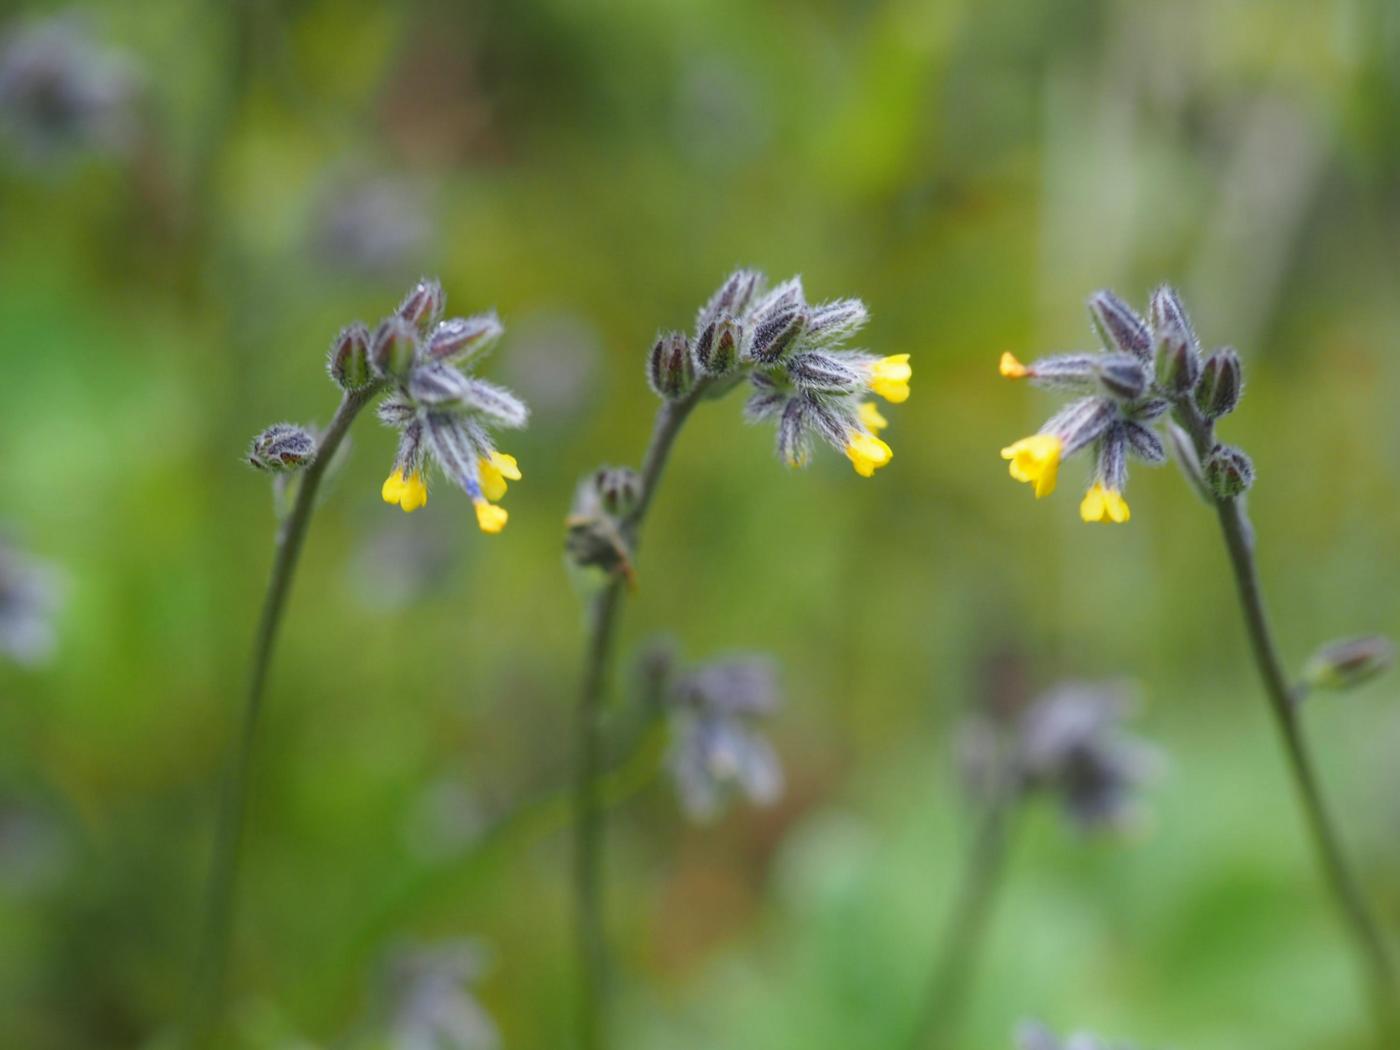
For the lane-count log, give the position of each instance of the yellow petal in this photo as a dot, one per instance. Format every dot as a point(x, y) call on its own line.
point(1036, 460)
point(392, 488)
point(490, 517)
point(870, 417)
point(868, 453)
point(414, 493)
point(889, 377)
point(1012, 368)
point(506, 465)
point(493, 486)
point(1091, 507)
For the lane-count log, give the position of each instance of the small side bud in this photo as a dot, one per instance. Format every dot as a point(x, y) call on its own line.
point(422, 306)
point(1122, 376)
point(348, 361)
point(463, 339)
point(1347, 663)
point(393, 348)
point(282, 447)
point(1118, 326)
point(1178, 364)
point(670, 369)
point(1218, 389)
point(1228, 472)
point(619, 490)
point(1166, 310)
point(717, 348)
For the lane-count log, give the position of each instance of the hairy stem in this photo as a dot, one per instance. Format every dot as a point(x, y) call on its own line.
point(1283, 702)
point(221, 902)
point(593, 965)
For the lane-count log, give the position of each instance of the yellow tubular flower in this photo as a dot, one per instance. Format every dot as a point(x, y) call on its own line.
point(490, 517)
point(1102, 504)
point(889, 377)
point(867, 453)
point(1036, 460)
point(1011, 368)
point(494, 472)
point(408, 492)
point(870, 417)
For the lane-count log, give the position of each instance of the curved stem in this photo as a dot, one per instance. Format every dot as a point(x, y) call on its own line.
point(590, 932)
point(1283, 702)
point(223, 883)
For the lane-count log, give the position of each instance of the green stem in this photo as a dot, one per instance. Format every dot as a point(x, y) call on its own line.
point(589, 825)
point(1283, 702)
point(221, 902)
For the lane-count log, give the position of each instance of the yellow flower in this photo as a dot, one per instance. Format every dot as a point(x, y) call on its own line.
point(1011, 368)
point(490, 517)
point(494, 471)
point(408, 492)
point(1102, 504)
point(1035, 459)
point(871, 418)
point(889, 377)
point(867, 453)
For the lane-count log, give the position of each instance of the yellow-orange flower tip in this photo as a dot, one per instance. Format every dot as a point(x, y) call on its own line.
point(490, 517)
point(867, 453)
point(1012, 368)
point(494, 471)
point(870, 417)
point(1035, 460)
point(889, 377)
point(1104, 504)
point(408, 492)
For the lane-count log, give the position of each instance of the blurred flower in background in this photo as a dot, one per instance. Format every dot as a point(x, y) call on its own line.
point(1032, 1035)
point(429, 998)
point(31, 592)
point(371, 226)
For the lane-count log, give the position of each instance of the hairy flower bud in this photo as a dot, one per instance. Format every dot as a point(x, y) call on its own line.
point(1349, 662)
point(348, 361)
point(464, 339)
point(619, 489)
point(1218, 389)
point(670, 369)
point(1166, 310)
point(422, 306)
point(775, 334)
point(1178, 364)
point(1122, 375)
point(282, 447)
point(1118, 326)
point(717, 347)
point(1228, 472)
point(824, 373)
point(393, 347)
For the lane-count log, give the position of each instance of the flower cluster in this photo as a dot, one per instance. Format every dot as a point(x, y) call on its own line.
point(1067, 743)
point(793, 355)
point(717, 750)
point(1146, 368)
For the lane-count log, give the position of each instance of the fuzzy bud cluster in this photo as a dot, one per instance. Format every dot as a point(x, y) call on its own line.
point(282, 447)
point(1349, 663)
point(594, 536)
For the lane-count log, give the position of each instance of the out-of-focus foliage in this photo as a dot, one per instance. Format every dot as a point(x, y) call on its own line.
point(972, 171)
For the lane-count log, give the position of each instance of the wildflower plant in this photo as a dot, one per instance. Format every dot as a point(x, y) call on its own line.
point(804, 379)
point(416, 363)
point(1153, 379)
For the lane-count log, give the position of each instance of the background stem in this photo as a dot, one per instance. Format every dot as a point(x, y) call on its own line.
point(589, 920)
point(221, 903)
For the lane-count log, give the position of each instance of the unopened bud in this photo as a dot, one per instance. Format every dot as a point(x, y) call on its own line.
point(348, 361)
point(463, 339)
point(717, 348)
point(1118, 325)
point(619, 490)
point(1166, 310)
point(422, 306)
point(1349, 662)
point(1228, 472)
point(1178, 365)
point(669, 368)
point(1218, 389)
point(776, 333)
point(393, 347)
point(282, 447)
point(1123, 376)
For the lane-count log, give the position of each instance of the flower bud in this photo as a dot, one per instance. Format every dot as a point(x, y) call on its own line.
point(393, 347)
point(825, 373)
point(1178, 365)
point(348, 361)
point(619, 490)
point(1349, 662)
point(1122, 375)
point(776, 333)
point(1218, 389)
point(670, 369)
point(1118, 325)
point(463, 339)
point(1228, 472)
point(422, 306)
point(717, 348)
point(282, 447)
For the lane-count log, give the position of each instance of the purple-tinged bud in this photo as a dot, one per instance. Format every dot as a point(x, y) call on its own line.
point(619, 490)
point(1178, 363)
point(282, 447)
point(1349, 662)
point(824, 373)
point(1122, 376)
point(717, 348)
point(670, 369)
point(393, 348)
point(1228, 472)
point(464, 339)
point(422, 306)
point(437, 385)
point(1080, 423)
point(1166, 310)
point(348, 361)
point(1143, 443)
point(776, 334)
point(831, 323)
point(1118, 326)
point(1221, 382)
point(732, 298)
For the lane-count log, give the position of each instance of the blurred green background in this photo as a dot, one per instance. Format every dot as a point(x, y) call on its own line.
point(973, 171)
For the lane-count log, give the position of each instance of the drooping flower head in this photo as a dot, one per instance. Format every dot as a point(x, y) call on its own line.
point(442, 413)
point(1124, 390)
point(794, 355)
